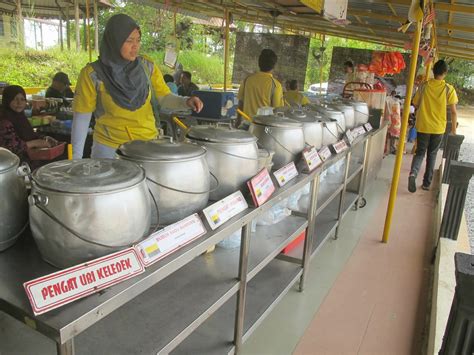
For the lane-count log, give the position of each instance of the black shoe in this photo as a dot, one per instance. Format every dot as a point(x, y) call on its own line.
point(411, 183)
point(425, 187)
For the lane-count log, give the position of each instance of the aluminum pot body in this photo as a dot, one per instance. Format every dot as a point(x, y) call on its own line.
point(338, 117)
point(286, 142)
point(313, 133)
point(361, 113)
point(233, 164)
point(184, 190)
point(116, 219)
point(349, 114)
point(13, 206)
point(330, 133)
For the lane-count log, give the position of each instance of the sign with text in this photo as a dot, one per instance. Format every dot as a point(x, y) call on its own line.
point(221, 211)
point(324, 153)
point(339, 146)
point(169, 239)
point(55, 290)
point(285, 174)
point(358, 131)
point(261, 187)
point(368, 127)
point(312, 158)
point(349, 136)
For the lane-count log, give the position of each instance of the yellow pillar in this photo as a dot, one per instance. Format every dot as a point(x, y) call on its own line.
point(226, 48)
point(403, 132)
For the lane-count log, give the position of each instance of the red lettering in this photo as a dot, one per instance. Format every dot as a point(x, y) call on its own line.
point(106, 271)
point(44, 292)
point(119, 267)
point(57, 289)
point(100, 273)
point(114, 270)
point(83, 279)
point(128, 262)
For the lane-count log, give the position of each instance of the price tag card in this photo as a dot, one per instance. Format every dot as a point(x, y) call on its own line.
point(261, 187)
point(368, 127)
point(170, 239)
point(324, 153)
point(340, 146)
point(358, 131)
point(285, 174)
point(221, 211)
point(312, 158)
point(55, 290)
point(349, 136)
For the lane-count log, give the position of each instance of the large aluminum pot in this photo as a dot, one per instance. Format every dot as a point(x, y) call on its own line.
point(84, 209)
point(312, 126)
point(177, 175)
point(349, 114)
point(331, 132)
point(282, 135)
point(13, 199)
point(232, 155)
point(334, 115)
point(361, 112)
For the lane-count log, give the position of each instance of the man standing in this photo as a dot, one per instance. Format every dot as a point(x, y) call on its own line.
point(432, 100)
point(261, 89)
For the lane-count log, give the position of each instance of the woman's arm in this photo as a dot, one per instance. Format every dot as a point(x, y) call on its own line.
point(80, 128)
point(10, 140)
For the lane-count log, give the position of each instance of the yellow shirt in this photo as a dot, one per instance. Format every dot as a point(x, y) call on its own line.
point(432, 100)
point(111, 119)
point(293, 97)
point(256, 91)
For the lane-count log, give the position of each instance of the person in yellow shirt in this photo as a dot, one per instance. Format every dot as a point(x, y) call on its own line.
point(293, 97)
point(261, 89)
point(432, 100)
point(123, 90)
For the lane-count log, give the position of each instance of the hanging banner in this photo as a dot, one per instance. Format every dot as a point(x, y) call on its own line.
point(55, 290)
point(170, 239)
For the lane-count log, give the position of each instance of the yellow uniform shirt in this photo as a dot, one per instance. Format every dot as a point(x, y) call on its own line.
point(111, 119)
point(293, 97)
point(432, 99)
point(256, 91)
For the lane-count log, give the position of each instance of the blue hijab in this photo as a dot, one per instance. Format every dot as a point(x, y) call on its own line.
point(125, 81)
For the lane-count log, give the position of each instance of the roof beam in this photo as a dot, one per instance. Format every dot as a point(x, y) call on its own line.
point(449, 27)
point(370, 14)
point(465, 9)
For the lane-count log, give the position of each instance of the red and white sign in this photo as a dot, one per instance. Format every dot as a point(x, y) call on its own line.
point(312, 158)
point(261, 187)
point(324, 153)
point(285, 174)
point(65, 286)
point(368, 127)
point(169, 239)
point(340, 146)
point(221, 211)
point(358, 131)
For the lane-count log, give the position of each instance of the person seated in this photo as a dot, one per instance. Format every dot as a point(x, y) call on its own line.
point(170, 82)
point(187, 86)
point(293, 97)
point(60, 87)
point(16, 132)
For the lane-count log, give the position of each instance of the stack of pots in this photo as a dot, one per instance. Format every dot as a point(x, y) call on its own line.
point(280, 134)
point(331, 120)
point(13, 200)
point(84, 209)
point(232, 156)
point(349, 114)
point(312, 126)
point(177, 176)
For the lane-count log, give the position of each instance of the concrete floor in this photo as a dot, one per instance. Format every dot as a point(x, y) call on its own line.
point(325, 306)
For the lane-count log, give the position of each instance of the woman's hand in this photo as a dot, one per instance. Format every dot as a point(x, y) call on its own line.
point(195, 103)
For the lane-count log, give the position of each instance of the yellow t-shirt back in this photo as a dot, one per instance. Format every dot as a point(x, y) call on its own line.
point(255, 91)
point(112, 120)
point(294, 97)
point(432, 99)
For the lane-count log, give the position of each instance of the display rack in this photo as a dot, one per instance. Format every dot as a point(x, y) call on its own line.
point(192, 301)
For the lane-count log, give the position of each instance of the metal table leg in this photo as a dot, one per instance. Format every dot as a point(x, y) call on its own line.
point(66, 349)
point(361, 202)
point(343, 192)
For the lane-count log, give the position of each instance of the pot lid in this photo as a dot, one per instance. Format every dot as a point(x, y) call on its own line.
point(161, 149)
point(7, 160)
point(88, 175)
point(220, 134)
point(277, 121)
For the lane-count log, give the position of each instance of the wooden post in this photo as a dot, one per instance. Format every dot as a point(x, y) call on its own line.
point(226, 47)
point(76, 22)
point(96, 27)
point(61, 30)
point(20, 28)
point(68, 29)
point(88, 32)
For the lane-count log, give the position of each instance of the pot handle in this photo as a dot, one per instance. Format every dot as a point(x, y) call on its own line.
point(171, 139)
point(40, 202)
point(24, 171)
point(269, 132)
point(187, 192)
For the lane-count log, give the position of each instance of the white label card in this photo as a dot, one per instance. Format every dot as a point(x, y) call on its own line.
point(261, 187)
point(368, 127)
point(55, 290)
point(169, 239)
point(358, 131)
point(287, 173)
point(339, 146)
point(350, 137)
point(312, 158)
point(324, 153)
point(221, 211)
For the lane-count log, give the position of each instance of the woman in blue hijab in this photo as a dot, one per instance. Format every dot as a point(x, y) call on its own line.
point(123, 90)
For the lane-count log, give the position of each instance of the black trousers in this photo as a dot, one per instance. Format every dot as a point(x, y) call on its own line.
point(429, 144)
